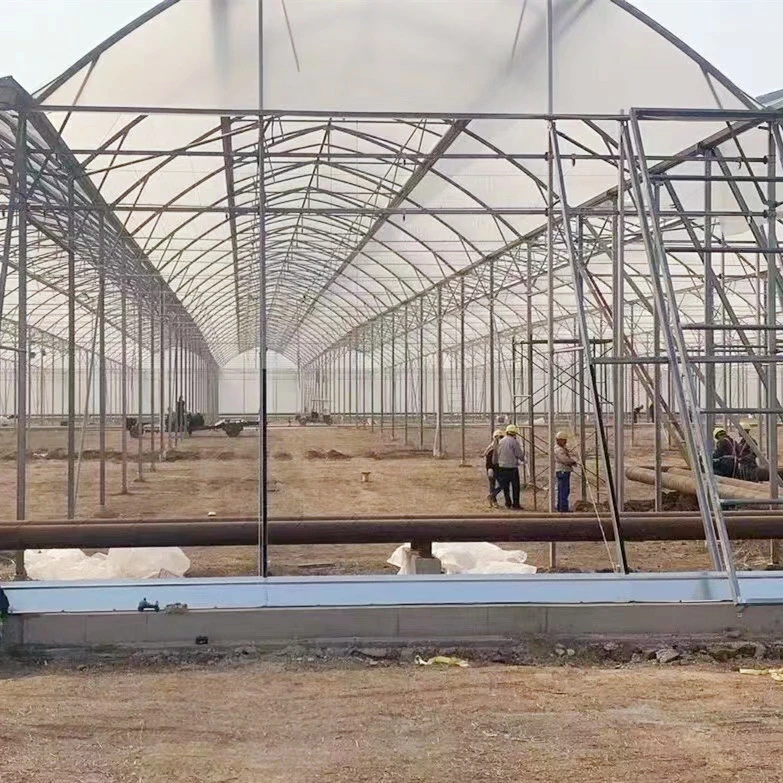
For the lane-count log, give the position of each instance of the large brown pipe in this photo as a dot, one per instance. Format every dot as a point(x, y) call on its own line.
point(688, 484)
point(748, 486)
point(232, 533)
point(538, 515)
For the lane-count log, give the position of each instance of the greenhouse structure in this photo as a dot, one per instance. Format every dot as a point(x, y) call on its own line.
point(423, 216)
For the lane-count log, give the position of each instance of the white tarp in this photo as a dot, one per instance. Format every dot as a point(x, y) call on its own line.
point(130, 563)
point(468, 558)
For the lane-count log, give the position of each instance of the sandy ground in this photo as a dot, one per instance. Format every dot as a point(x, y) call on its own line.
point(211, 472)
point(353, 724)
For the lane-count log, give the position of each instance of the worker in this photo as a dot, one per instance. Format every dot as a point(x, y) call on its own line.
point(510, 456)
point(735, 458)
point(564, 464)
point(725, 456)
point(491, 465)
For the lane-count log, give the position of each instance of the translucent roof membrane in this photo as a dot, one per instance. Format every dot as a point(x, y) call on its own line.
point(383, 173)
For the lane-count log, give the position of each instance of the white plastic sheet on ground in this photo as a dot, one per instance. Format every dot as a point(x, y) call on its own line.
point(131, 563)
point(468, 558)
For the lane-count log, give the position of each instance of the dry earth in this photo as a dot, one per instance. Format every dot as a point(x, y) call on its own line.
point(211, 472)
point(350, 723)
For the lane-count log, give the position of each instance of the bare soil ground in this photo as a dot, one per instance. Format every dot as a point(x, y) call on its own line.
point(317, 470)
point(349, 723)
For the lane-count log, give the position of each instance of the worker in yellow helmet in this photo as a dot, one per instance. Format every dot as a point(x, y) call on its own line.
point(491, 466)
point(510, 456)
point(564, 464)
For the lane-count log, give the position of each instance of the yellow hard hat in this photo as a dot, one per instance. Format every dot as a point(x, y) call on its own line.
point(561, 436)
point(718, 431)
point(512, 429)
point(497, 434)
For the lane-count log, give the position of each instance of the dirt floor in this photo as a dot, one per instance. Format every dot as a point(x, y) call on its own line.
point(318, 470)
point(351, 723)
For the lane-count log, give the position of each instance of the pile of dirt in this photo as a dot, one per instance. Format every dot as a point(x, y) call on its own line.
point(399, 453)
point(90, 455)
point(182, 456)
point(672, 501)
point(331, 454)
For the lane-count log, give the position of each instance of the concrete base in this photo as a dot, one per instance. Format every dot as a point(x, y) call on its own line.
point(390, 624)
point(425, 565)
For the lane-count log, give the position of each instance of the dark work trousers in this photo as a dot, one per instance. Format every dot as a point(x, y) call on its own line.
point(563, 489)
point(508, 479)
point(494, 482)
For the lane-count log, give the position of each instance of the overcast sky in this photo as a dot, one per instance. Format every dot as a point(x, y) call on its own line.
point(40, 38)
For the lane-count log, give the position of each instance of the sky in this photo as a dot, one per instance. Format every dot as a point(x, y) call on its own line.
point(39, 39)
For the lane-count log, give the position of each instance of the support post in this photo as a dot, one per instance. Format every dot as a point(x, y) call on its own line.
point(153, 466)
point(101, 315)
point(531, 455)
point(439, 378)
point(406, 377)
point(21, 336)
point(140, 387)
point(71, 353)
point(462, 417)
point(771, 330)
point(619, 332)
point(491, 357)
point(263, 432)
point(421, 373)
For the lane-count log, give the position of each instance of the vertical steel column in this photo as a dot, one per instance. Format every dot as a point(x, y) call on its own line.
point(263, 440)
point(657, 407)
point(709, 300)
point(170, 408)
point(550, 245)
point(165, 341)
point(462, 416)
point(491, 357)
point(342, 364)
point(124, 379)
point(153, 466)
point(531, 450)
point(140, 389)
point(439, 378)
point(421, 373)
point(174, 394)
point(355, 348)
point(364, 379)
point(71, 352)
point(382, 376)
point(101, 315)
point(21, 336)
point(771, 324)
point(393, 377)
point(619, 331)
point(514, 378)
point(406, 377)
point(372, 377)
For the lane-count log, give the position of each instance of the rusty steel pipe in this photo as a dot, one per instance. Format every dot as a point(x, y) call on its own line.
point(749, 486)
point(687, 484)
point(244, 533)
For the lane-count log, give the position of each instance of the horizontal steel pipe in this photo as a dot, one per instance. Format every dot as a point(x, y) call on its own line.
point(231, 533)
point(628, 516)
point(342, 518)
